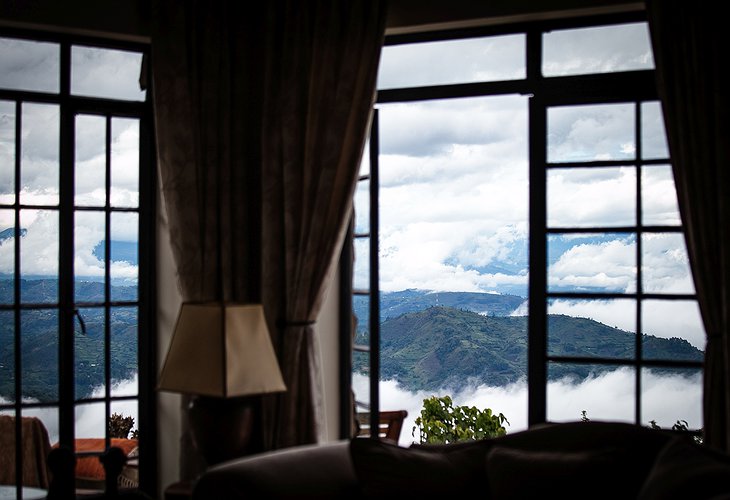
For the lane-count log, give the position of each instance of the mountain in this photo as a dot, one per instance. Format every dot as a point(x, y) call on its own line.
point(394, 304)
point(10, 233)
point(444, 347)
point(39, 339)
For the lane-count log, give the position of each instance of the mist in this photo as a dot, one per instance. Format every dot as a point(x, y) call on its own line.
point(90, 417)
point(666, 398)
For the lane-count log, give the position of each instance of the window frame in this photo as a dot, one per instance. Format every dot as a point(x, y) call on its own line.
point(633, 86)
point(70, 106)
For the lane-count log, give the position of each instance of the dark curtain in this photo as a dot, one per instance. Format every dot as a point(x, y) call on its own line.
point(691, 62)
point(207, 88)
point(320, 88)
point(261, 112)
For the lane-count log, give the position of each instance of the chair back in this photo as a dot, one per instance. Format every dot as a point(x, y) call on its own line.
point(389, 427)
point(35, 445)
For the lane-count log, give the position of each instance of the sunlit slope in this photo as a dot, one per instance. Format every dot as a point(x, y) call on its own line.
point(446, 347)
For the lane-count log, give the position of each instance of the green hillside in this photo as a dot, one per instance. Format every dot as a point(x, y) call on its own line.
point(444, 347)
point(39, 341)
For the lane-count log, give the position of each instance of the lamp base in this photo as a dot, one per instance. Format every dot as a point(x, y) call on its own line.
point(223, 429)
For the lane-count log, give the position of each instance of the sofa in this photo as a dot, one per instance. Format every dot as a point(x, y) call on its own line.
point(572, 460)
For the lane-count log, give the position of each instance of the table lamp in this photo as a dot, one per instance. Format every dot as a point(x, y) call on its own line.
point(221, 353)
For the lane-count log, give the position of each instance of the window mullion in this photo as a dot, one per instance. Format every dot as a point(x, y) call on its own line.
point(374, 321)
point(66, 392)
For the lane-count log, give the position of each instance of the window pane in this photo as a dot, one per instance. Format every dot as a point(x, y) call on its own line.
point(90, 422)
point(453, 61)
point(665, 262)
point(90, 161)
point(592, 262)
point(360, 381)
point(676, 330)
point(124, 255)
point(659, 204)
point(107, 73)
point(591, 132)
point(124, 336)
point(365, 160)
point(39, 256)
point(7, 353)
point(7, 152)
point(361, 267)
point(7, 255)
point(591, 197)
point(453, 195)
point(125, 163)
point(39, 169)
point(669, 396)
point(362, 207)
point(49, 416)
point(602, 49)
point(605, 392)
point(361, 309)
point(39, 352)
point(29, 65)
point(89, 353)
point(588, 328)
point(653, 134)
point(128, 411)
point(89, 249)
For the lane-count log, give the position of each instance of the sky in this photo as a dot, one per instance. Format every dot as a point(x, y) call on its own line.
point(454, 208)
point(95, 72)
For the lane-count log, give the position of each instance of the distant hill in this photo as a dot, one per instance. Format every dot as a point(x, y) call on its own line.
point(394, 304)
point(10, 233)
point(446, 347)
point(39, 334)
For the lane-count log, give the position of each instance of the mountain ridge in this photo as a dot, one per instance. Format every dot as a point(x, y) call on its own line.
point(442, 347)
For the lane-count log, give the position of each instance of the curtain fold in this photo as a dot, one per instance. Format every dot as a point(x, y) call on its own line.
point(320, 88)
point(207, 89)
point(689, 51)
point(261, 114)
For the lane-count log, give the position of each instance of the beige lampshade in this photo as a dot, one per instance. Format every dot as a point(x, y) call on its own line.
point(221, 349)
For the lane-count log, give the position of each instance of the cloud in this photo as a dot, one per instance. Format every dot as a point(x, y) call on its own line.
point(89, 418)
point(665, 399)
point(607, 265)
point(435, 128)
point(453, 61)
point(591, 132)
point(597, 50)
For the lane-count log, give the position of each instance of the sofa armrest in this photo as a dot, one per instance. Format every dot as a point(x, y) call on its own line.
point(314, 471)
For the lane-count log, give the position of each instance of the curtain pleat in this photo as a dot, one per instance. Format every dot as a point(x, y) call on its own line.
point(691, 65)
point(207, 87)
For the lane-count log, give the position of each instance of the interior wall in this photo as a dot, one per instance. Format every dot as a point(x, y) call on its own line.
point(168, 305)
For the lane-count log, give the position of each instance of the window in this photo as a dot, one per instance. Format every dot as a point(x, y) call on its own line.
point(516, 225)
point(76, 241)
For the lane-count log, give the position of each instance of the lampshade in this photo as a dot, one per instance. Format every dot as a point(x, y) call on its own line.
point(222, 350)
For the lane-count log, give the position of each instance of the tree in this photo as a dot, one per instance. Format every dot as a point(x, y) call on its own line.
point(441, 422)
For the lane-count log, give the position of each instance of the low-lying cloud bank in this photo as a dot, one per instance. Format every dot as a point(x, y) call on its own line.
point(610, 396)
point(90, 418)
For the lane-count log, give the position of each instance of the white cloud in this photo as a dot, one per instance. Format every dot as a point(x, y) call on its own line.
point(666, 399)
point(89, 418)
point(610, 265)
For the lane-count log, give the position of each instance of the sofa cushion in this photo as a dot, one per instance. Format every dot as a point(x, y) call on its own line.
point(684, 470)
point(515, 474)
point(386, 469)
